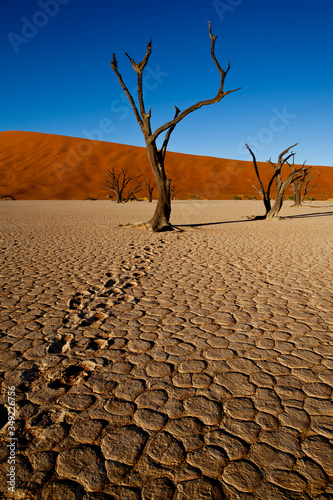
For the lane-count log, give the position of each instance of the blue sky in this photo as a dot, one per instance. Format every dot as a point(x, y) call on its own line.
point(56, 75)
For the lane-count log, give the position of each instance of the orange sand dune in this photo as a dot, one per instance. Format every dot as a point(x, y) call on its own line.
point(44, 166)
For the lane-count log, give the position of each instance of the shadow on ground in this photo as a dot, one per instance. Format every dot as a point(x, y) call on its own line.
point(303, 216)
point(256, 218)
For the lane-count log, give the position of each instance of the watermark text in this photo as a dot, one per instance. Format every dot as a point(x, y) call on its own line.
point(11, 438)
point(30, 27)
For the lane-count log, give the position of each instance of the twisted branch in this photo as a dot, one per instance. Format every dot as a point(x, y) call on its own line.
point(114, 66)
point(138, 68)
point(219, 96)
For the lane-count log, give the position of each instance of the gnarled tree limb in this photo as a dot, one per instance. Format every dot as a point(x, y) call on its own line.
point(260, 189)
point(138, 68)
point(114, 66)
point(219, 96)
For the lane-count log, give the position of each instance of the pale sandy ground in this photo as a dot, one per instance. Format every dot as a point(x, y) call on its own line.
point(194, 365)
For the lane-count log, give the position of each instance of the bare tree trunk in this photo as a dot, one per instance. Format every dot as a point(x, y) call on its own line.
point(297, 184)
point(281, 189)
point(161, 218)
point(297, 193)
point(301, 185)
point(277, 205)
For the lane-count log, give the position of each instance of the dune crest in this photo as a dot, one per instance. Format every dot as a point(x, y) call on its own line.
point(54, 167)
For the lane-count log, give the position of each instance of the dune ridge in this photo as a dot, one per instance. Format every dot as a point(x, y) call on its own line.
point(38, 166)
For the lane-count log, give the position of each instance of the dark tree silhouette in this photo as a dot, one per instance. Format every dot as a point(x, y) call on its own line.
point(119, 181)
point(161, 218)
point(301, 186)
point(280, 184)
point(174, 190)
point(297, 186)
point(306, 187)
point(150, 189)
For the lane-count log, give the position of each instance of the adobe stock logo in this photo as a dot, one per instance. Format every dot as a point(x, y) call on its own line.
point(278, 122)
point(31, 27)
point(223, 8)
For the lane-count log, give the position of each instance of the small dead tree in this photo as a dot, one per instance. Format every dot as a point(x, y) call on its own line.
point(306, 187)
point(132, 192)
point(302, 185)
point(280, 185)
point(297, 186)
point(174, 190)
point(118, 182)
point(150, 189)
point(161, 218)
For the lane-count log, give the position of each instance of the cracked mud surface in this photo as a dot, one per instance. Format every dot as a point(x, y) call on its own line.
point(176, 366)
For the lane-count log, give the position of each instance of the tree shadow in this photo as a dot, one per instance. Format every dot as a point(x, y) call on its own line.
point(304, 216)
point(256, 218)
point(218, 223)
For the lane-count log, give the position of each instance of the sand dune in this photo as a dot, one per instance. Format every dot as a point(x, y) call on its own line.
point(44, 166)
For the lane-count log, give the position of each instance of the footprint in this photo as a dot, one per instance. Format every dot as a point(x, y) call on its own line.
point(75, 302)
point(71, 373)
point(88, 307)
point(109, 283)
point(57, 346)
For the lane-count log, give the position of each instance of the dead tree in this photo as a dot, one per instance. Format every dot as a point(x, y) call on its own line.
point(301, 186)
point(297, 185)
point(132, 192)
point(174, 190)
point(150, 189)
point(118, 182)
point(280, 184)
point(161, 218)
point(306, 187)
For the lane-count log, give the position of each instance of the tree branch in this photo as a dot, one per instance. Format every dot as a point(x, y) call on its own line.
point(138, 68)
point(168, 134)
point(114, 66)
point(284, 153)
point(219, 96)
point(119, 181)
point(306, 183)
point(273, 165)
point(259, 190)
point(271, 183)
point(132, 191)
point(141, 65)
point(262, 190)
point(294, 176)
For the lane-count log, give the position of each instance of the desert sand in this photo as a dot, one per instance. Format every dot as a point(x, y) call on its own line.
point(36, 166)
point(191, 365)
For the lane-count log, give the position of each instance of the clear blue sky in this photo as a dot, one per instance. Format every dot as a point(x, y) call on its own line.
point(56, 75)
